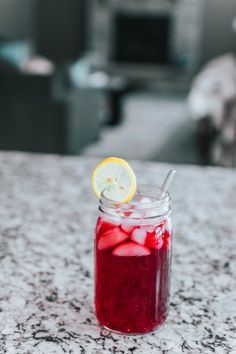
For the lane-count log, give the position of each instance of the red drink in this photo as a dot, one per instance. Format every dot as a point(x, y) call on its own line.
point(132, 273)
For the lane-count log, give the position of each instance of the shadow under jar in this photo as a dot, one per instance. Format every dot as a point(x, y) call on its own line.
point(133, 262)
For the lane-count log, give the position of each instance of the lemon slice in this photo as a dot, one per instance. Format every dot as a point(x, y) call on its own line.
point(115, 178)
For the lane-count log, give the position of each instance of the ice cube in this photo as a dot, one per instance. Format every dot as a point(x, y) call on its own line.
point(149, 228)
point(128, 249)
point(139, 236)
point(145, 200)
point(111, 238)
point(127, 228)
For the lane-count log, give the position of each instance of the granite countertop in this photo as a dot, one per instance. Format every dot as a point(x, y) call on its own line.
point(47, 217)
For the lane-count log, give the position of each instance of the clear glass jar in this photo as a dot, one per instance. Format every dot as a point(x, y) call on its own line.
point(133, 262)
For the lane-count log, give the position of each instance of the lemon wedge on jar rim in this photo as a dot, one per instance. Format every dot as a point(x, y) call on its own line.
point(114, 178)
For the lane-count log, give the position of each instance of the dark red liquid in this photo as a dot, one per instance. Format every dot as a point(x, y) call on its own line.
point(132, 276)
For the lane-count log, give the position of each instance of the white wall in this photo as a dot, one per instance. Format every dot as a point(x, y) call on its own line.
point(218, 35)
point(16, 18)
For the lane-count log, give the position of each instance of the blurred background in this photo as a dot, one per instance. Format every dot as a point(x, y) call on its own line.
point(140, 79)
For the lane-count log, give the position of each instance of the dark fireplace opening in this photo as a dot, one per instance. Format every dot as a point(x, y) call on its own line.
point(142, 39)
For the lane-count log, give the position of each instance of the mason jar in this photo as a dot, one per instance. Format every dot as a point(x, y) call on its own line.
point(133, 245)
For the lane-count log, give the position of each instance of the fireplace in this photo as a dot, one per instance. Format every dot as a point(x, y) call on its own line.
point(141, 38)
point(159, 32)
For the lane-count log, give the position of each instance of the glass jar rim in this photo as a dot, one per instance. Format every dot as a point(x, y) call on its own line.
point(145, 204)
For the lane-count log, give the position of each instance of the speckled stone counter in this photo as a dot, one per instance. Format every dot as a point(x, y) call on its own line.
point(47, 217)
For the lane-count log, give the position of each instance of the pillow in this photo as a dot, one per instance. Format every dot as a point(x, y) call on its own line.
point(15, 52)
